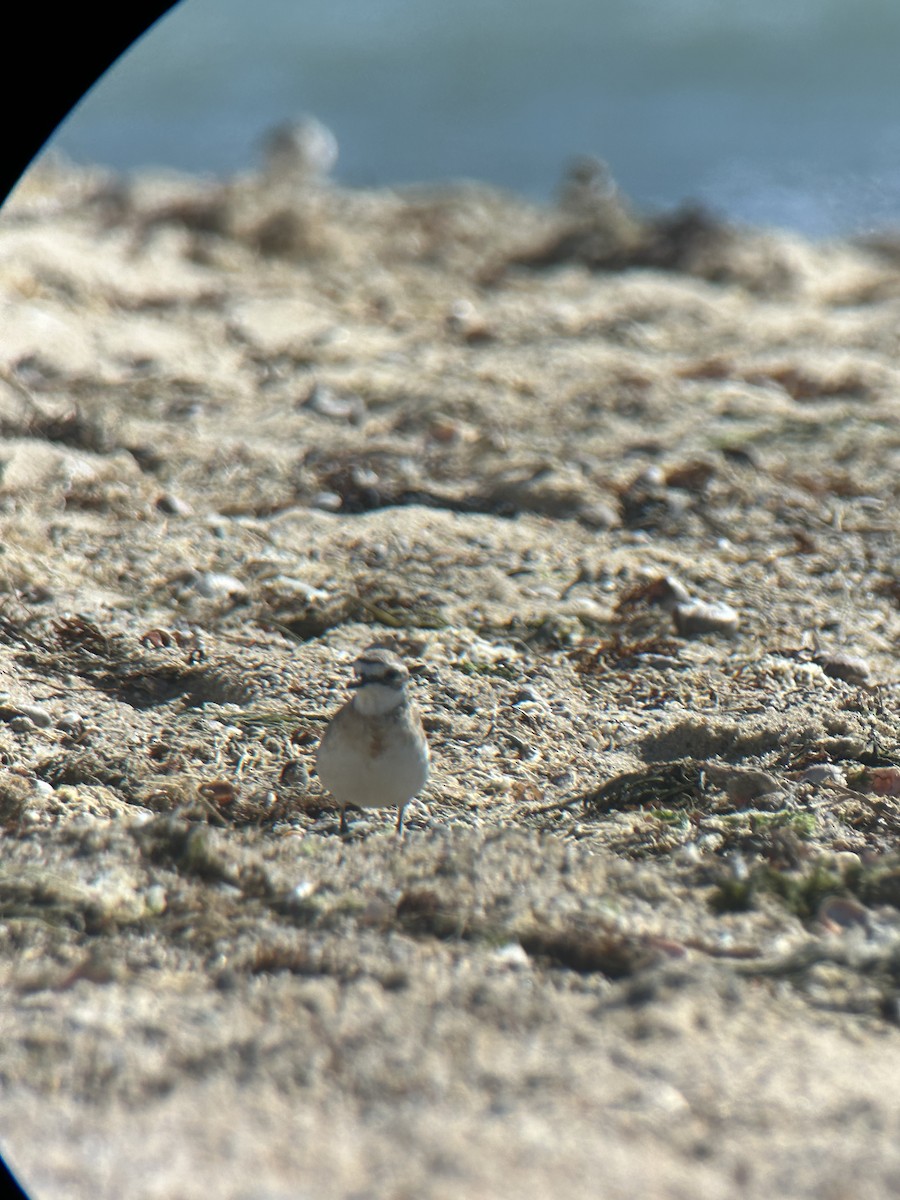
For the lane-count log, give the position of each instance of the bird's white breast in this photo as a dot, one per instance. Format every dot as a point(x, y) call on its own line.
point(376, 699)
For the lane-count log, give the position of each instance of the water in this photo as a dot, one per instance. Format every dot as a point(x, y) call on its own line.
point(779, 112)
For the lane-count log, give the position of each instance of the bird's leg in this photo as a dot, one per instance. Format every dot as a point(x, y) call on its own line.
point(400, 811)
point(343, 828)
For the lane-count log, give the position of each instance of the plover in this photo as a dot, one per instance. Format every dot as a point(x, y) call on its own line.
point(303, 149)
point(374, 753)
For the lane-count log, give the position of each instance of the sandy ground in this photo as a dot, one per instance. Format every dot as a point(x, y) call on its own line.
point(623, 492)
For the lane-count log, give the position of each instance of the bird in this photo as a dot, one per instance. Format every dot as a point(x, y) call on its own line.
point(303, 149)
point(374, 753)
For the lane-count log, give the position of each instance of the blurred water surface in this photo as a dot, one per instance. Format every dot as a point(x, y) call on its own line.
point(783, 112)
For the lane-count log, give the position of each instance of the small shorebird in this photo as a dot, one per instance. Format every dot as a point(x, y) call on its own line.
point(374, 753)
point(303, 149)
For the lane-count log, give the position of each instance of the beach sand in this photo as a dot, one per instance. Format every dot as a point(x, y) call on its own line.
point(624, 493)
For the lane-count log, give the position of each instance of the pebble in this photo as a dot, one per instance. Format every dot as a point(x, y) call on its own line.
point(512, 955)
point(173, 506)
point(302, 891)
point(847, 860)
point(737, 865)
point(598, 515)
point(327, 501)
point(39, 717)
point(155, 899)
point(71, 723)
point(848, 667)
point(692, 476)
point(450, 431)
point(701, 616)
point(688, 855)
point(587, 611)
point(742, 784)
point(667, 592)
point(227, 980)
point(465, 322)
point(824, 773)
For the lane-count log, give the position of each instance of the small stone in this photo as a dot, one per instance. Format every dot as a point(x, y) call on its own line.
point(227, 980)
point(820, 773)
point(155, 899)
point(847, 860)
point(465, 322)
point(737, 865)
point(512, 955)
point(173, 506)
point(848, 667)
point(39, 717)
point(651, 476)
point(742, 784)
point(688, 855)
point(666, 591)
point(598, 515)
point(450, 431)
point(691, 476)
point(70, 723)
point(700, 616)
point(327, 501)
